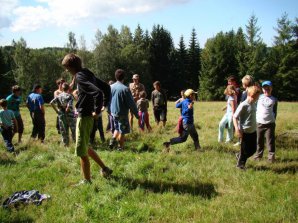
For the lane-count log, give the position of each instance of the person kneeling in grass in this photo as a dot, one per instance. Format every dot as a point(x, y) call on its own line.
point(93, 94)
point(189, 128)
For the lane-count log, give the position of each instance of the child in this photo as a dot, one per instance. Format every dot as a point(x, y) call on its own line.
point(65, 113)
point(180, 120)
point(143, 105)
point(266, 116)
point(246, 130)
point(159, 102)
point(230, 92)
point(7, 119)
point(188, 121)
point(233, 81)
point(13, 103)
point(97, 125)
point(59, 83)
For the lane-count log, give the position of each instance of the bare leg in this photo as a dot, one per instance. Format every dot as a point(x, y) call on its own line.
point(20, 137)
point(85, 167)
point(96, 158)
point(121, 140)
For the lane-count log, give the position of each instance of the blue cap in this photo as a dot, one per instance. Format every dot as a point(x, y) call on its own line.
point(267, 83)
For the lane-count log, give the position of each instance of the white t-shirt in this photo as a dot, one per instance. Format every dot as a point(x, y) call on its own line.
point(266, 109)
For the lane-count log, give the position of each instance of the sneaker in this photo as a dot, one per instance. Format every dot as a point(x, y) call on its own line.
point(120, 149)
point(83, 182)
point(237, 156)
point(112, 143)
point(106, 172)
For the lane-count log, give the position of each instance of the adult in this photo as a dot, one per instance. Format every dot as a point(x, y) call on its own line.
point(13, 103)
point(135, 87)
point(35, 104)
point(93, 95)
point(122, 101)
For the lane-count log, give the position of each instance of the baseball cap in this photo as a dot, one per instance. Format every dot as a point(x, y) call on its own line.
point(189, 92)
point(135, 76)
point(267, 83)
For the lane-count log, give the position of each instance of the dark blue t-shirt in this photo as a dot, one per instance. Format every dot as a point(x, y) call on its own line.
point(35, 101)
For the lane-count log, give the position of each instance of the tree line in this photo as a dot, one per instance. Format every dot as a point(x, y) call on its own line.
point(154, 56)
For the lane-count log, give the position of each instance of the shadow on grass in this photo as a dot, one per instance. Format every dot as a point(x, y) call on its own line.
point(287, 140)
point(205, 190)
point(279, 168)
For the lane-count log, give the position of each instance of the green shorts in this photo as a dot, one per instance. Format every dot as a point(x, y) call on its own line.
point(83, 130)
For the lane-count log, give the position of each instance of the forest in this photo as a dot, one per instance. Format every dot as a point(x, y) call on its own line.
point(154, 56)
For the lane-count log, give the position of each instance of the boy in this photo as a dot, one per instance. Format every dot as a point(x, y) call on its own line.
point(245, 114)
point(93, 94)
point(143, 105)
point(122, 101)
point(159, 102)
point(189, 128)
point(35, 104)
point(7, 118)
point(13, 103)
point(266, 116)
point(65, 113)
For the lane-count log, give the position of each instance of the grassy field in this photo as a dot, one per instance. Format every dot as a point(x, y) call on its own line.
point(150, 185)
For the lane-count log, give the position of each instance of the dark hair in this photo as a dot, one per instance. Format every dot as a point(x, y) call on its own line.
point(119, 75)
point(15, 88)
point(156, 83)
point(72, 60)
point(35, 87)
point(60, 81)
point(65, 86)
point(3, 103)
point(232, 78)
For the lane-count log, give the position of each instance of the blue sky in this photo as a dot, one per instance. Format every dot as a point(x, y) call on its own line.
point(46, 23)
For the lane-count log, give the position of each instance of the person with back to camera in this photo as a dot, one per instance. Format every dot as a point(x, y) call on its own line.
point(93, 96)
point(188, 121)
point(266, 118)
point(13, 103)
point(244, 120)
point(122, 101)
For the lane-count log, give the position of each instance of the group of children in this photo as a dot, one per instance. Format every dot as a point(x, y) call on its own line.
point(253, 119)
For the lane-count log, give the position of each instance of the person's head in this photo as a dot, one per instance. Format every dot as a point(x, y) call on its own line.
point(3, 103)
point(65, 87)
point(190, 93)
point(230, 90)
point(232, 80)
point(157, 85)
point(247, 81)
point(119, 75)
point(267, 88)
point(135, 78)
point(72, 63)
point(16, 90)
point(142, 94)
point(182, 93)
point(59, 82)
point(253, 93)
point(37, 89)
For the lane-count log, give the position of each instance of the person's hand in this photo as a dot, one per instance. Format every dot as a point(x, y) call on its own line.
point(238, 133)
point(95, 116)
point(103, 108)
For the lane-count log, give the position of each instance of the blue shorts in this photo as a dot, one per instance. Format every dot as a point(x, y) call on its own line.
point(121, 124)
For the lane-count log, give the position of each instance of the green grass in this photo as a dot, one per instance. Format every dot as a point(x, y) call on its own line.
point(150, 185)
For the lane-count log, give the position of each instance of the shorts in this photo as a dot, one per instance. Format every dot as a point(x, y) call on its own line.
point(20, 125)
point(121, 124)
point(84, 127)
point(160, 114)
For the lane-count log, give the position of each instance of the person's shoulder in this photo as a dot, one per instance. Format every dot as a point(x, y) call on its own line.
point(9, 97)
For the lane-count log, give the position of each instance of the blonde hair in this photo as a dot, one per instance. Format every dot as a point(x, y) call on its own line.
point(247, 80)
point(253, 91)
point(230, 90)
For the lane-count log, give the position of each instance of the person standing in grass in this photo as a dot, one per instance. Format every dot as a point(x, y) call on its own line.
point(266, 117)
point(7, 121)
point(188, 121)
point(59, 83)
point(159, 102)
point(143, 105)
point(35, 104)
point(93, 96)
point(13, 103)
point(122, 101)
point(244, 120)
point(227, 119)
point(65, 111)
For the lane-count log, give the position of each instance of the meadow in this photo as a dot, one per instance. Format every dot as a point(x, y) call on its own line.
point(151, 185)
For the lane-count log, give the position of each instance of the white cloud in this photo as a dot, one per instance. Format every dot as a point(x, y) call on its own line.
point(65, 13)
point(5, 12)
